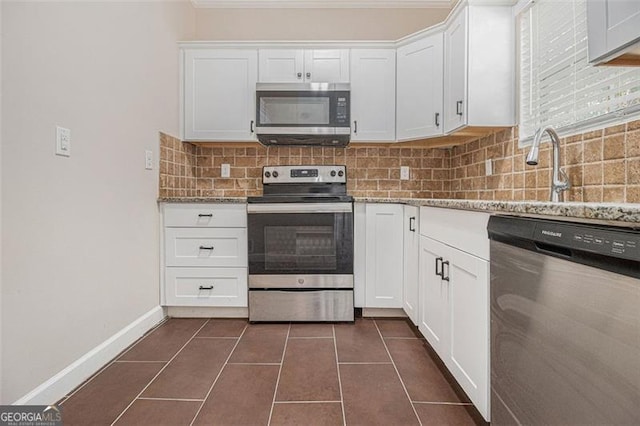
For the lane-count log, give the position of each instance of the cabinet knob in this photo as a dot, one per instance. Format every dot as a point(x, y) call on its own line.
point(299, 75)
point(308, 75)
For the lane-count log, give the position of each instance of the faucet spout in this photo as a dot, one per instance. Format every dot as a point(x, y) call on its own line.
point(559, 180)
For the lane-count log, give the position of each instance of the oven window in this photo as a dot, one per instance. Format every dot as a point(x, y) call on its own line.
point(299, 248)
point(284, 111)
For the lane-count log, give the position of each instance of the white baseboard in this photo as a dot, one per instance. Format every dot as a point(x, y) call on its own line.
point(207, 312)
point(80, 370)
point(383, 312)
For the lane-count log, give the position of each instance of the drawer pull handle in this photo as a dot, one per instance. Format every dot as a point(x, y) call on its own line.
point(439, 261)
point(446, 262)
point(209, 287)
point(412, 224)
point(206, 247)
point(205, 215)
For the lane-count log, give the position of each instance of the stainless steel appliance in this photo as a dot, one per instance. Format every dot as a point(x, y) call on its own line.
point(301, 246)
point(303, 113)
point(565, 323)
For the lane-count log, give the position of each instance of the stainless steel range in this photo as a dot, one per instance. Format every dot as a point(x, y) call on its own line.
point(301, 246)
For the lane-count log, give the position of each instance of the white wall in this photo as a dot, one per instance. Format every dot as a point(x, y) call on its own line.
point(313, 24)
point(80, 235)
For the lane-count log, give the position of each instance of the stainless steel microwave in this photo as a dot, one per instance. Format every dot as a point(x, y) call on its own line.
point(303, 113)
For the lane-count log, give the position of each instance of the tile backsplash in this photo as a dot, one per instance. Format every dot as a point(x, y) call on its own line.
point(603, 166)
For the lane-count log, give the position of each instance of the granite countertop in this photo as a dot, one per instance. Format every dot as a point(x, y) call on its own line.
point(604, 212)
point(618, 214)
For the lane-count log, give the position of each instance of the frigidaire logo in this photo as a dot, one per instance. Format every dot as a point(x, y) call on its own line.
point(551, 233)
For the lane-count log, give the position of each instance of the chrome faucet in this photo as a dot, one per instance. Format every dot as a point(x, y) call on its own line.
point(559, 179)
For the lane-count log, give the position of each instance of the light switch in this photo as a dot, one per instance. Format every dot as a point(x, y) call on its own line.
point(148, 160)
point(225, 171)
point(63, 141)
point(488, 167)
point(404, 173)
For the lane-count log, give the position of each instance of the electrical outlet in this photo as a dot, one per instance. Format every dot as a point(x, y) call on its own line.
point(63, 141)
point(148, 160)
point(488, 167)
point(225, 170)
point(404, 173)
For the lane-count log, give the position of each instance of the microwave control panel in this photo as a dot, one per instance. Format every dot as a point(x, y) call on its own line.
point(342, 110)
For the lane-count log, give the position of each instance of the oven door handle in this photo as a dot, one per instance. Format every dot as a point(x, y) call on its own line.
point(300, 208)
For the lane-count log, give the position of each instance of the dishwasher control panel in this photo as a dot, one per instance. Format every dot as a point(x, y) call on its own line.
point(619, 243)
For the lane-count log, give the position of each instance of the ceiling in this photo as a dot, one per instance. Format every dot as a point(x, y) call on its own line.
point(324, 4)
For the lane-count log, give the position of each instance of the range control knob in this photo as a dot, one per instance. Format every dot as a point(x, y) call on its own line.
point(267, 174)
point(333, 173)
point(275, 174)
point(341, 173)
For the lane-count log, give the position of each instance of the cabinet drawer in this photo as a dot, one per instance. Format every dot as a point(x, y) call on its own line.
point(206, 287)
point(464, 230)
point(206, 215)
point(206, 247)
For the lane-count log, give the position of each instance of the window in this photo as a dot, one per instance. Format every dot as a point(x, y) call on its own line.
point(558, 86)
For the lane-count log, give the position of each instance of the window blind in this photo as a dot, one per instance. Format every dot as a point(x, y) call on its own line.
point(558, 86)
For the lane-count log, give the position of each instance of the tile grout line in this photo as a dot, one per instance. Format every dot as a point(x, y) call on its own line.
point(306, 402)
point(133, 362)
point(253, 363)
point(146, 398)
point(116, 359)
point(442, 403)
point(364, 363)
point(397, 372)
point(335, 348)
point(275, 391)
point(215, 337)
point(226, 362)
point(159, 372)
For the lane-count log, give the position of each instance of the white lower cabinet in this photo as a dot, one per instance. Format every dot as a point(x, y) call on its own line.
point(378, 255)
point(410, 281)
point(205, 255)
point(454, 298)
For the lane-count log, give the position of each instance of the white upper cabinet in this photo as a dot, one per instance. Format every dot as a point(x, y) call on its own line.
point(373, 95)
point(281, 65)
point(479, 68)
point(219, 94)
point(304, 65)
point(613, 26)
point(420, 79)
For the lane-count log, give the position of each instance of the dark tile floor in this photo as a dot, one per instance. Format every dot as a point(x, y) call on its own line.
point(229, 372)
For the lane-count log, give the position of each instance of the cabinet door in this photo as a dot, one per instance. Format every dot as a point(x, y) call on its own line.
point(433, 295)
point(455, 72)
point(326, 66)
point(384, 256)
point(219, 94)
point(373, 95)
point(410, 293)
point(281, 65)
point(468, 344)
point(420, 91)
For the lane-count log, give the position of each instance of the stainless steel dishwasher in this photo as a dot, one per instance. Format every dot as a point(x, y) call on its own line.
point(565, 323)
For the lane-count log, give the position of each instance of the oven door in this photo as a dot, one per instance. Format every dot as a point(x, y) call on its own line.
point(309, 240)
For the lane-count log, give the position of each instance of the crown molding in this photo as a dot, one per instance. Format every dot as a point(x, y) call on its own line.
point(324, 4)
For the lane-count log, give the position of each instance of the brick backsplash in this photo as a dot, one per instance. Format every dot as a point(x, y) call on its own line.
point(194, 171)
point(603, 166)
